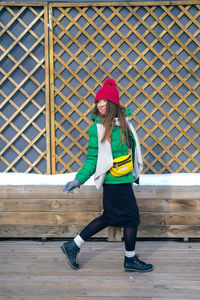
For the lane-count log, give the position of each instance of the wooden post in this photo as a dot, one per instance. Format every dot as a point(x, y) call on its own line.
point(114, 234)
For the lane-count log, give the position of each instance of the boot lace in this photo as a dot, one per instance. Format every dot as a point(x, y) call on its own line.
point(138, 261)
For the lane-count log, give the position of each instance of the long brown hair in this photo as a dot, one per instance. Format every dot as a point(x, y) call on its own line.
point(113, 111)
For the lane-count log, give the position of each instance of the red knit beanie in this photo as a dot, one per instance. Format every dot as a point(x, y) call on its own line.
point(108, 92)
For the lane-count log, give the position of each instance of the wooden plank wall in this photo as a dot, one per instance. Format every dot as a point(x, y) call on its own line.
point(48, 212)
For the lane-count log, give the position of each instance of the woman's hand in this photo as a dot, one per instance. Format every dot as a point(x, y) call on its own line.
point(71, 185)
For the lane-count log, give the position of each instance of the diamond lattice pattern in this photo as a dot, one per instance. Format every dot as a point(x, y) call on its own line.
point(22, 79)
point(153, 53)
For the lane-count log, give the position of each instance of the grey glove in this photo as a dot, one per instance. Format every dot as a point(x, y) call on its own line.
point(71, 185)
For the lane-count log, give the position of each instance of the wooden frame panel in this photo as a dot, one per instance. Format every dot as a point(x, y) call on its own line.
point(25, 89)
point(165, 107)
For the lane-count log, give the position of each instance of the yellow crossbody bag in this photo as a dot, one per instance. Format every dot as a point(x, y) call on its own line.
point(122, 165)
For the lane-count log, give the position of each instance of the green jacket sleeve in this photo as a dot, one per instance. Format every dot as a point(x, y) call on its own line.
point(89, 167)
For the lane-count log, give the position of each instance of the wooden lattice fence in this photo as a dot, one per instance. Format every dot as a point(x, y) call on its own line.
point(152, 51)
point(24, 105)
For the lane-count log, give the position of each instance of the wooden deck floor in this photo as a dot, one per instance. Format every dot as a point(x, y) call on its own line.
point(36, 270)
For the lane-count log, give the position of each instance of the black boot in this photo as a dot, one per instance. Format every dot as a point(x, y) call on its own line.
point(71, 250)
point(132, 264)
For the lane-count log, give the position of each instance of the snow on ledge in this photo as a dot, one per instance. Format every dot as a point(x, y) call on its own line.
point(178, 179)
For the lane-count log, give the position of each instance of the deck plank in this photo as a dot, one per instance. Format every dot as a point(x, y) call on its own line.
point(38, 270)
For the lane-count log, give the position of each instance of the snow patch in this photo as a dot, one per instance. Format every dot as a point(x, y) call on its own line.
point(184, 179)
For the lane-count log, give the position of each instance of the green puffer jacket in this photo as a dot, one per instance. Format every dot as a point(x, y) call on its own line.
point(89, 167)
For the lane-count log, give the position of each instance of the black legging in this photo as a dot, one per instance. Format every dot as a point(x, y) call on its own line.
point(98, 224)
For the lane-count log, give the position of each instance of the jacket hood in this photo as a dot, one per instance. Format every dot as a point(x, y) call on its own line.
point(96, 119)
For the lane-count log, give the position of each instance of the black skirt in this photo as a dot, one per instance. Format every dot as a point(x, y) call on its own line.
point(120, 206)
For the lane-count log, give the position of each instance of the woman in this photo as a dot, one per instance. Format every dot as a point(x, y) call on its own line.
point(110, 137)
